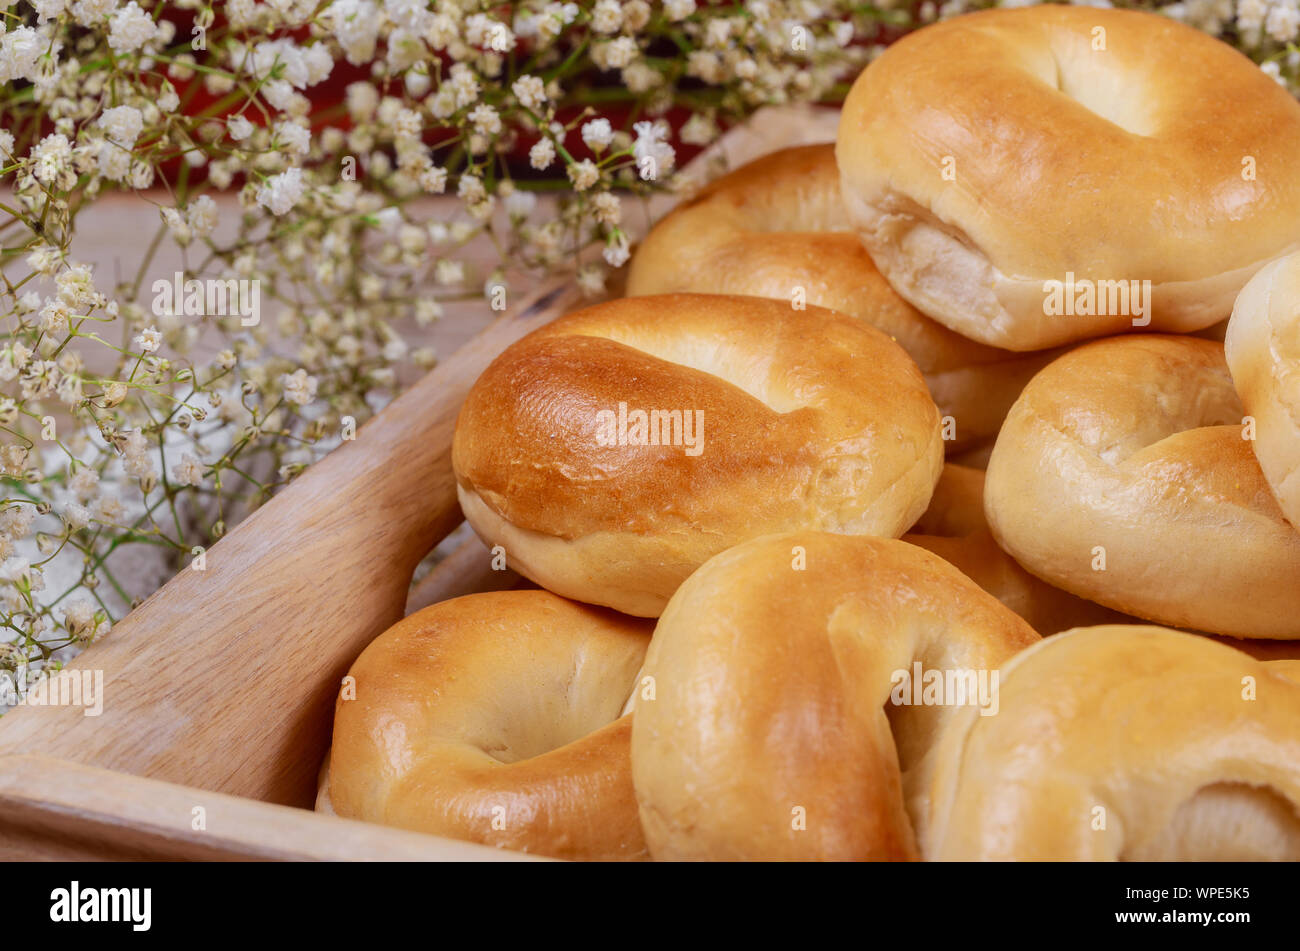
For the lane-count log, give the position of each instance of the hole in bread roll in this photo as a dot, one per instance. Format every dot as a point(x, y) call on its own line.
point(738, 365)
point(1097, 85)
point(1225, 822)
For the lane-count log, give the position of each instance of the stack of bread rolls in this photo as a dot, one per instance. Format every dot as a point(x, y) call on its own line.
point(782, 611)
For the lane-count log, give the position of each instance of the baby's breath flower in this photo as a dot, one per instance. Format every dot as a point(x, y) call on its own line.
point(530, 91)
point(519, 205)
point(202, 216)
point(591, 280)
point(295, 138)
point(434, 179)
point(177, 225)
point(92, 12)
point(299, 388)
point(84, 483)
point(20, 50)
point(107, 509)
point(485, 119)
point(636, 14)
point(616, 252)
point(678, 9)
point(542, 154)
point(141, 176)
point(189, 471)
point(13, 460)
point(54, 317)
point(114, 394)
point(463, 84)
point(606, 16)
point(583, 174)
point(597, 133)
point(239, 128)
point(615, 54)
point(130, 28)
point(608, 208)
point(121, 125)
point(149, 340)
point(79, 616)
point(281, 192)
point(168, 100)
point(448, 272)
point(76, 516)
point(51, 160)
point(699, 129)
point(649, 146)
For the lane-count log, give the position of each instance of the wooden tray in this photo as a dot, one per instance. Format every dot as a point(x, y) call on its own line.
point(219, 689)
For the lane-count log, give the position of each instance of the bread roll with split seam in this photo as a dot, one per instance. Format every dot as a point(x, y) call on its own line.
point(989, 154)
point(797, 420)
point(1125, 742)
point(1122, 475)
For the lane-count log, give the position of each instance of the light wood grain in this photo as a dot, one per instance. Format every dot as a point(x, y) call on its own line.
point(55, 810)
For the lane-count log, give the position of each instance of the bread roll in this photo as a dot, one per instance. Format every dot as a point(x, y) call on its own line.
point(1122, 476)
point(990, 154)
point(495, 718)
point(773, 732)
point(1263, 351)
point(1124, 743)
point(786, 420)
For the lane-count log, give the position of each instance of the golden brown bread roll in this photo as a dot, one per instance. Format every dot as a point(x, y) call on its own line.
point(778, 224)
point(1124, 742)
point(989, 154)
point(771, 733)
point(808, 420)
point(1263, 350)
point(1121, 475)
point(495, 718)
point(955, 529)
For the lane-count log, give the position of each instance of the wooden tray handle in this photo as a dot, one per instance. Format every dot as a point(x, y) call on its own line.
point(54, 810)
point(285, 603)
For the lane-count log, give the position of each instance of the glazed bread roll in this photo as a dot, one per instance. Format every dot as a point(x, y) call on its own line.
point(495, 718)
point(771, 733)
point(1263, 350)
point(1124, 743)
point(989, 154)
point(778, 224)
point(955, 529)
point(787, 420)
point(1122, 476)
